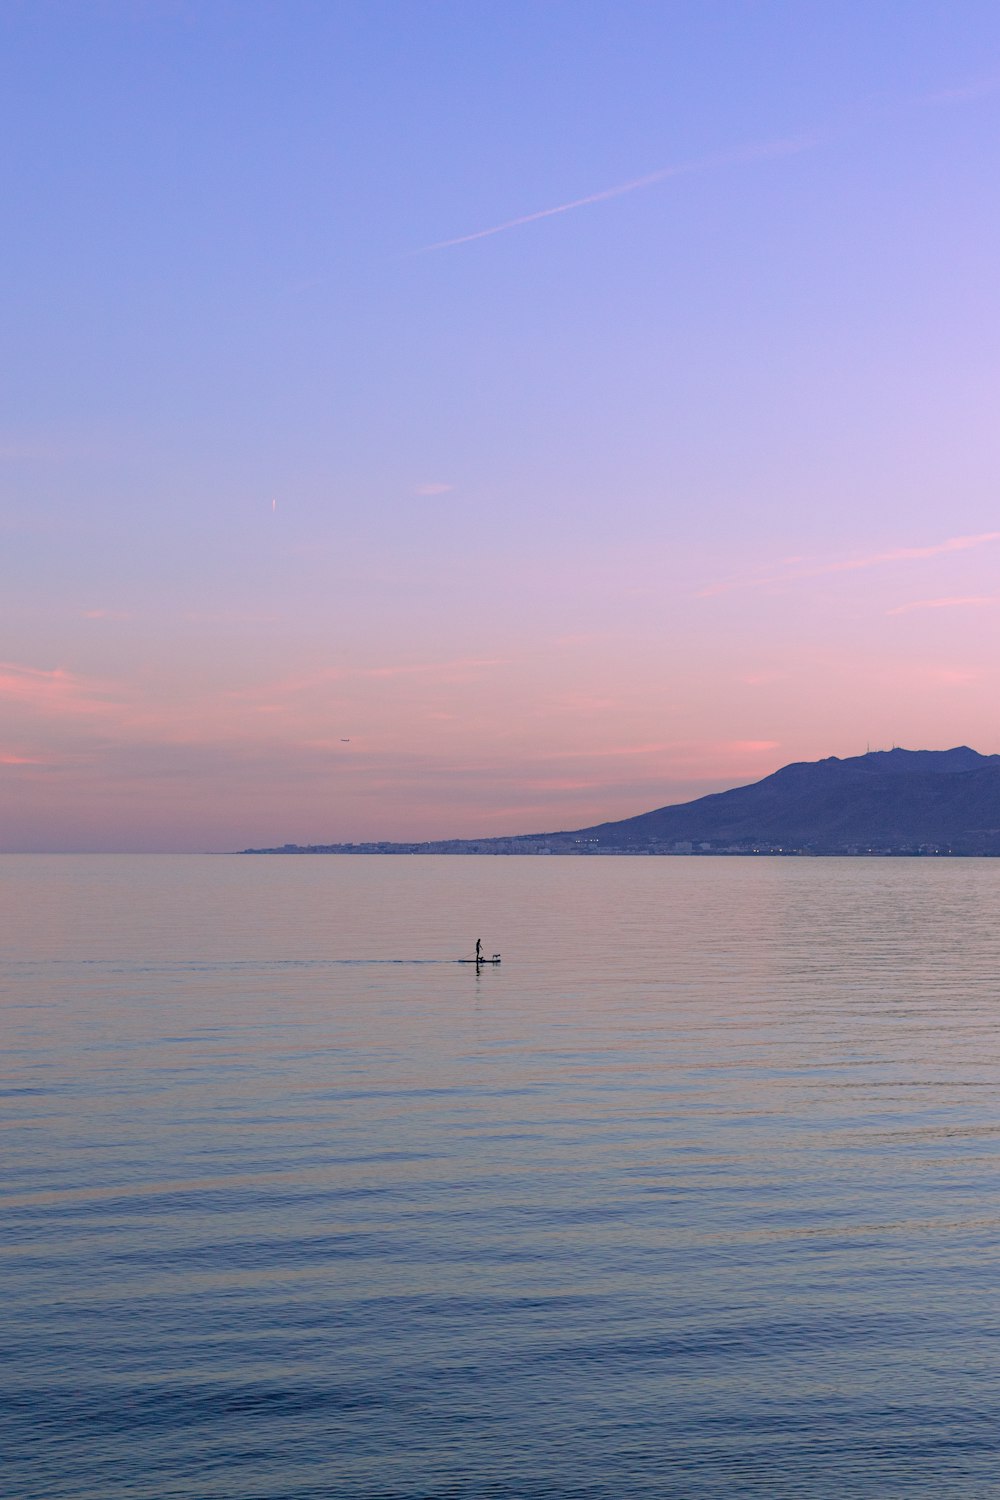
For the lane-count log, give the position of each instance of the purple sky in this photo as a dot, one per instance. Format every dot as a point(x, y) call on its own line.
point(444, 419)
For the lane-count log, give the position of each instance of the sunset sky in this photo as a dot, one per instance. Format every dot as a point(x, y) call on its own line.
point(436, 419)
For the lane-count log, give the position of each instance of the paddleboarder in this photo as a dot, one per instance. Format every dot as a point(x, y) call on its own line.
point(479, 950)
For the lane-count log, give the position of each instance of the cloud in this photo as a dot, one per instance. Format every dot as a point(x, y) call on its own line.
point(456, 669)
point(445, 670)
point(55, 692)
point(854, 564)
point(433, 488)
point(751, 153)
point(910, 554)
point(973, 601)
point(961, 93)
point(676, 751)
point(950, 676)
point(611, 752)
point(752, 747)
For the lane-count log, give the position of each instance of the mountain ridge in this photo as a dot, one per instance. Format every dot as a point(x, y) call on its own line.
point(883, 802)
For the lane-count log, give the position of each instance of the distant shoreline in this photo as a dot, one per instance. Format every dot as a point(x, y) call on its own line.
point(885, 804)
point(620, 853)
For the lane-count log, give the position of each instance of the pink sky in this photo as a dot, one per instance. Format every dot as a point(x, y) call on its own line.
point(399, 451)
point(683, 692)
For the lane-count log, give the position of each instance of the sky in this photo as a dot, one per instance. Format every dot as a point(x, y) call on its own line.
point(440, 419)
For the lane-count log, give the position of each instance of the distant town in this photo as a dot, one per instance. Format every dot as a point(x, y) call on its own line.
point(529, 845)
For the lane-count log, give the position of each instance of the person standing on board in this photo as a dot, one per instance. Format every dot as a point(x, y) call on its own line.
point(479, 950)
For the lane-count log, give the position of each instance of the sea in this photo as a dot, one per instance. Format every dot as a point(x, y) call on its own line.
point(695, 1194)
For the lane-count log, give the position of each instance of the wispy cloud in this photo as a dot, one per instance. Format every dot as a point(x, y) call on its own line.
point(433, 488)
point(961, 93)
point(760, 152)
point(672, 748)
point(914, 554)
point(821, 568)
point(446, 670)
point(753, 747)
point(453, 670)
point(939, 676)
point(611, 752)
point(971, 601)
point(54, 692)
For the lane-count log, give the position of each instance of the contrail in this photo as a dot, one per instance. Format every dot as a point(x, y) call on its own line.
point(852, 564)
point(964, 93)
point(976, 600)
point(747, 153)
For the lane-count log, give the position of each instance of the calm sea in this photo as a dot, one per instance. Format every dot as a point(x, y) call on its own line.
point(697, 1194)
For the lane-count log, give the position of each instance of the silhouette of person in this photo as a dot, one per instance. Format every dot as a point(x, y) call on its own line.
point(479, 950)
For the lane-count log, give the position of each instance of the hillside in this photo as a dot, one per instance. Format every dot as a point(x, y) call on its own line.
point(892, 801)
point(885, 802)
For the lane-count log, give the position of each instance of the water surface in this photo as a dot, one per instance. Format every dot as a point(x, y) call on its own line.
point(696, 1195)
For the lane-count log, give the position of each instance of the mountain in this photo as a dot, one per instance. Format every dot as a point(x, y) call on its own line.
point(885, 802)
point(888, 801)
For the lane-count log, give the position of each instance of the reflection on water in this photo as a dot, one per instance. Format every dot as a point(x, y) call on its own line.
point(695, 1195)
